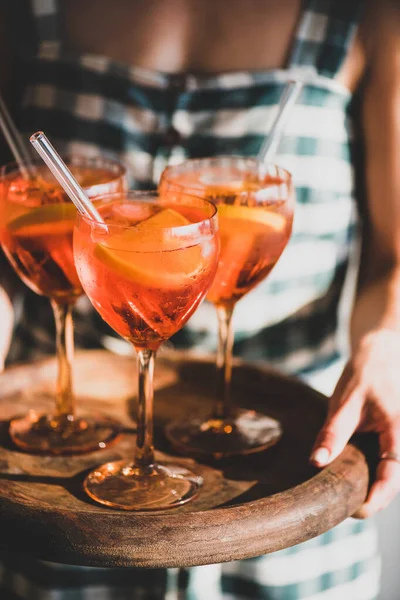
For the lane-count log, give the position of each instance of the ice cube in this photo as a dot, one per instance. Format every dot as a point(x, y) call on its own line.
point(25, 192)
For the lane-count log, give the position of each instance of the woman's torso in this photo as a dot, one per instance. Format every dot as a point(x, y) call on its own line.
point(83, 90)
point(89, 103)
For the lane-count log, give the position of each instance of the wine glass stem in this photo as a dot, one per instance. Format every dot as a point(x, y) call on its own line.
point(224, 361)
point(144, 453)
point(65, 402)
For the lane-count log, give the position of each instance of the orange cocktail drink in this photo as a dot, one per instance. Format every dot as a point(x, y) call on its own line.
point(36, 227)
point(252, 240)
point(148, 272)
point(255, 208)
point(145, 269)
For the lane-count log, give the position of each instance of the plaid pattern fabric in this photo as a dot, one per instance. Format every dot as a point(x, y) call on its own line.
point(89, 104)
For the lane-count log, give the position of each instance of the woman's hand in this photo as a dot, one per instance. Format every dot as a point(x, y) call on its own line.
point(367, 398)
point(6, 326)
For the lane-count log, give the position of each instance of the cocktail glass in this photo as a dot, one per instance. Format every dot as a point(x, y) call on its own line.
point(145, 271)
point(36, 227)
point(255, 208)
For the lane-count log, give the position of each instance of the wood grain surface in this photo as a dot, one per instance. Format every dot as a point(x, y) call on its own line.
point(248, 506)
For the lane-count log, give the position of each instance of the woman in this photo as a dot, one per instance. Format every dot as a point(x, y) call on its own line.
point(157, 82)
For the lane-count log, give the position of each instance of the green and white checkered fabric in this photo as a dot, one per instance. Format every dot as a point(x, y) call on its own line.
point(89, 104)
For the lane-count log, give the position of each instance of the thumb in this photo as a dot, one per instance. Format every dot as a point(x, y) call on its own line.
point(338, 429)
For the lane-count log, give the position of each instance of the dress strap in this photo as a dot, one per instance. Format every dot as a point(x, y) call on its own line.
point(33, 23)
point(325, 32)
point(46, 16)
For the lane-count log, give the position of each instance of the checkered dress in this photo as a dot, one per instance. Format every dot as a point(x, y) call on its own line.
point(90, 104)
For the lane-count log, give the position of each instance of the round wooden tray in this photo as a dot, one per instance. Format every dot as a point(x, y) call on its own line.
point(248, 505)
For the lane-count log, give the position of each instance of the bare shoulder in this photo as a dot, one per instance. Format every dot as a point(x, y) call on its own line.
point(376, 45)
point(380, 38)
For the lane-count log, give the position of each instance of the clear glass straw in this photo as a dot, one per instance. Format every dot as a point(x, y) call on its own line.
point(57, 166)
point(14, 140)
point(289, 98)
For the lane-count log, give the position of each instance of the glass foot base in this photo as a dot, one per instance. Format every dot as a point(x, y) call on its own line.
point(245, 432)
point(159, 486)
point(48, 434)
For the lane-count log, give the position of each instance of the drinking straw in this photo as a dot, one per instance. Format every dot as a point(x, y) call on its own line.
point(57, 166)
point(288, 100)
point(15, 142)
point(71, 187)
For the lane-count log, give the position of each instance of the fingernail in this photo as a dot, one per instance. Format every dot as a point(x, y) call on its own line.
point(320, 456)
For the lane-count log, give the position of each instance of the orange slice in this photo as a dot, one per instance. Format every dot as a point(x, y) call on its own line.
point(163, 219)
point(147, 254)
point(263, 216)
point(50, 219)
